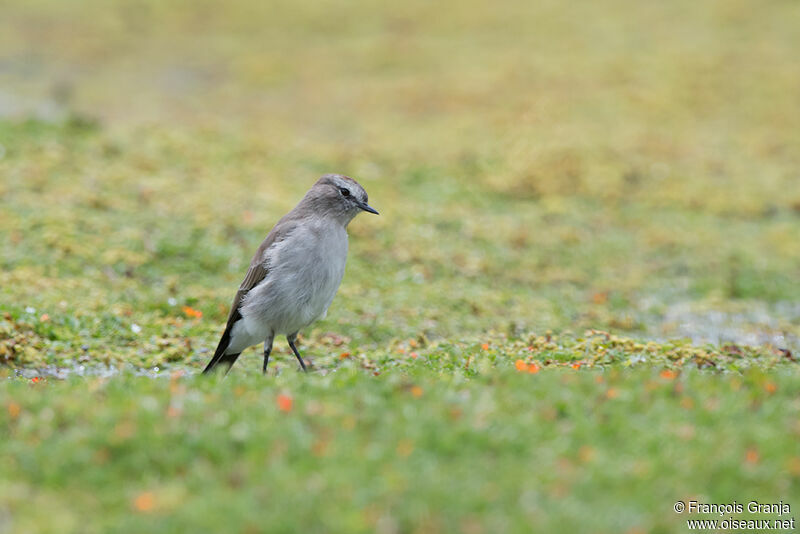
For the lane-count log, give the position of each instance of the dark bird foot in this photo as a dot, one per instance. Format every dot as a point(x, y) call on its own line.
point(266, 362)
point(291, 340)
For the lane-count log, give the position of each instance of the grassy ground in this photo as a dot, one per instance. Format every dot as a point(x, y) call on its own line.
point(546, 173)
point(426, 446)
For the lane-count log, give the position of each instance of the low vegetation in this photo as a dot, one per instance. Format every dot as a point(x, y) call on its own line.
point(578, 306)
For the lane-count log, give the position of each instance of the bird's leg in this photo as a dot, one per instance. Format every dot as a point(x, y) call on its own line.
point(291, 338)
point(267, 350)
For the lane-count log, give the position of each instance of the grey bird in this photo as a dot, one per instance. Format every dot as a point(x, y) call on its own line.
point(295, 273)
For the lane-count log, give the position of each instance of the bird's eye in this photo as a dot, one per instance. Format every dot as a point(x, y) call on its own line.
point(344, 192)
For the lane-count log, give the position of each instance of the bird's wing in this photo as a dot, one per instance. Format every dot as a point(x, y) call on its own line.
point(258, 265)
point(255, 274)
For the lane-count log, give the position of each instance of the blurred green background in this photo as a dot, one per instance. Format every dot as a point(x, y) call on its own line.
point(539, 167)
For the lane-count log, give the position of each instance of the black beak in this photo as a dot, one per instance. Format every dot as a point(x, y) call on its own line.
point(366, 207)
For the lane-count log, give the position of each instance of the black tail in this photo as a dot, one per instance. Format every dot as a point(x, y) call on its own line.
point(219, 355)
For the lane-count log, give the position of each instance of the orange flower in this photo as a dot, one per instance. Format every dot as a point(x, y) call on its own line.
point(576, 365)
point(320, 447)
point(37, 379)
point(405, 447)
point(668, 374)
point(586, 454)
point(522, 367)
point(344, 355)
point(44, 318)
point(751, 456)
point(284, 403)
point(13, 410)
point(416, 391)
point(793, 466)
point(414, 355)
point(612, 393)
point(191, 312)
point(770, 387)
point(485, 346)
point(144, 502)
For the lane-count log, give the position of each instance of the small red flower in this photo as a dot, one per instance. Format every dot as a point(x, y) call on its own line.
point(284, 402)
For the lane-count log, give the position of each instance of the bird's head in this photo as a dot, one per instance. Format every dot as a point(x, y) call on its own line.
point(340, 196)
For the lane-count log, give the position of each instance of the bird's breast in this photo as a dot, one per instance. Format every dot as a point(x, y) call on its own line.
point(305, 271)
point(318, 267)
point(326, 268)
